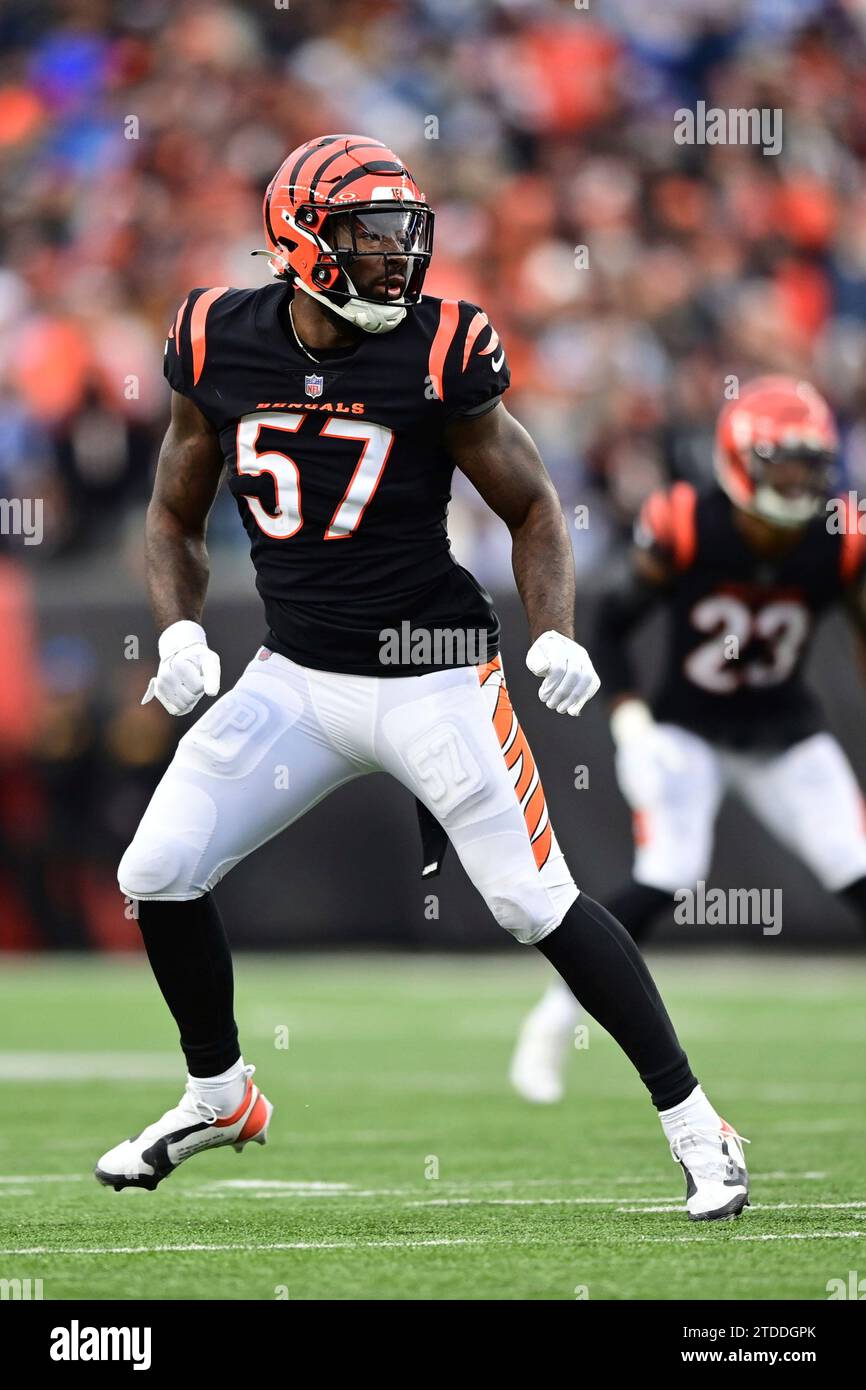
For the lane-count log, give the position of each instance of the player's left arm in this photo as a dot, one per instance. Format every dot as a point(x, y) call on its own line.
point(499, 458)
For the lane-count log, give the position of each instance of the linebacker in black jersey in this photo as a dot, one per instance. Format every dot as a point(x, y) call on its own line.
point(743, 572)
point(339, 401)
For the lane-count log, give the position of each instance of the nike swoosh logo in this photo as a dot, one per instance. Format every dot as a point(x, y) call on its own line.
point(497, 362)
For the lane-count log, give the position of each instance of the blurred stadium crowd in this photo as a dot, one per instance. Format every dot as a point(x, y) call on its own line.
point(136, 138)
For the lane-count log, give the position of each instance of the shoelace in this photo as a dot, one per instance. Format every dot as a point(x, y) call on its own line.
point(209, 1113)
point(693, 1135)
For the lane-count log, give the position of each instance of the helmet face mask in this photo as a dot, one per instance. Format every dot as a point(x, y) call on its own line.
point(792, 484)
point(346, 222)
point(382, 251)
point(776, 451)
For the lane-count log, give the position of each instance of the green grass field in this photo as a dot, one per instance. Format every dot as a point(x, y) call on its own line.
point(396, 1071)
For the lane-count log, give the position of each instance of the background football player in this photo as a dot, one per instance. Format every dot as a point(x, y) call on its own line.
point(743, 571)
point(340, 401)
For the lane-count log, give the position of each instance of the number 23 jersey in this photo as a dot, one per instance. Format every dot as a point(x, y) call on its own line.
point(740, 623)
point(340, 471)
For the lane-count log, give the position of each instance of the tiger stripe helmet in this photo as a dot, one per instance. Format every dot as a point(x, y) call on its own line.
point(364, 183)
point(777, 422)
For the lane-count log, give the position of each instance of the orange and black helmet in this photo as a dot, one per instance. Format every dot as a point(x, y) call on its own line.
point(777, 449)
point(336, 199)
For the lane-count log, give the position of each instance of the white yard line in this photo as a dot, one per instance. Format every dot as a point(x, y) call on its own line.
point(41, 1177)
point(759, 1206)
point(361, 1192)
point(526, 1202)
point(323, 1245)
point(241, 1245)
point(91, 1066)
point(461, 1194)
point(776, 1235)
point(259, 1184)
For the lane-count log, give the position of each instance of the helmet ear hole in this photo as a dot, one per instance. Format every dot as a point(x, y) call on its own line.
point(311, 217)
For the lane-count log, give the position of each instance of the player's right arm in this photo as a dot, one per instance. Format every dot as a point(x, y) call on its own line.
point(635, 588)
point(187, 479)
point(661, 534)
point(644, 755)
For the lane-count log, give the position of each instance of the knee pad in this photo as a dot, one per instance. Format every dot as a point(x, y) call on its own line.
point(151, 868)
point(527, 908)
point(513, 912)
point(168, 856)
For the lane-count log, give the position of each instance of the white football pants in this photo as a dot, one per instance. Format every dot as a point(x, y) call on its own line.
point(286, 735)
point(807, 797)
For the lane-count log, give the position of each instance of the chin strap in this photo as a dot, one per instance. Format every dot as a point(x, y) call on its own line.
point(771, 506)
point(372, 318)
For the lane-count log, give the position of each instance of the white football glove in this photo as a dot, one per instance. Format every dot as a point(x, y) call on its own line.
point(569, 675)
point(188, 669)
point(647, 758)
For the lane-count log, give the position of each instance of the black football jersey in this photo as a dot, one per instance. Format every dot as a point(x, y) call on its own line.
point(340, 473)
point(740, 623)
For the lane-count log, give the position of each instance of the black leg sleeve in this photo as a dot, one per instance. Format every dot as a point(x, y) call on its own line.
point(636, 906)
point(603, 968)
point(855, 896)
point(189, 954)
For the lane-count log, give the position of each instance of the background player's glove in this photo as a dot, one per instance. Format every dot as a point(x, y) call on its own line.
point(569, 675)
point(647, 758)
point(188, 669)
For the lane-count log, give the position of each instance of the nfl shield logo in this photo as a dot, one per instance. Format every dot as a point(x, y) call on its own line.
point(313, 384)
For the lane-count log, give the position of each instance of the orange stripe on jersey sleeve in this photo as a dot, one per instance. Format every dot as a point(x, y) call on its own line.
point(853, 544)
point(449, 317)
point(175, 332)
point(685, 534)
point(198, 320)
point(479, 321)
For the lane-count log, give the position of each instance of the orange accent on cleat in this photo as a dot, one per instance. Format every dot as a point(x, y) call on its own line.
point(233, 1118)
point(257, 1120)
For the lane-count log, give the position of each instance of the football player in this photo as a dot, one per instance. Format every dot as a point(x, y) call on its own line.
point(339, 402)
point(743, 570)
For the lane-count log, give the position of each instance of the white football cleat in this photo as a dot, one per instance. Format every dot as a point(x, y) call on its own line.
point(717, 1183)
point(192, 1126)
point(539, 1062)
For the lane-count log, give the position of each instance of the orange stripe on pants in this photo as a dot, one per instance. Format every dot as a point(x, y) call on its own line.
point(520, 763)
